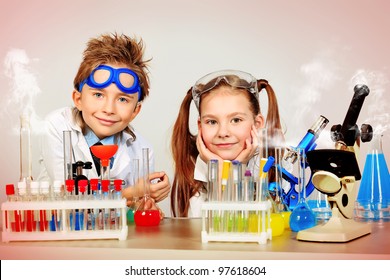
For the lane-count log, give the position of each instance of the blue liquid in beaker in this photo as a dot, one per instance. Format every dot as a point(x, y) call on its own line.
point(373, 201)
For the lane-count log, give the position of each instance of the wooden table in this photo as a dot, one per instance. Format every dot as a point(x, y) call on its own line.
point(181, 239)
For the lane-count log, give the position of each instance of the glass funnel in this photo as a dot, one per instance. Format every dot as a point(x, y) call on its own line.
point(302, 217)
point(373, 200)
point(147, 213)
point(104, 153)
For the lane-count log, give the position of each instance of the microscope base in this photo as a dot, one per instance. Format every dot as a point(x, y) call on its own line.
point(337, 229)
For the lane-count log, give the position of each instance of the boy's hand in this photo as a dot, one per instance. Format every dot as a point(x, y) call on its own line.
point(160, 189)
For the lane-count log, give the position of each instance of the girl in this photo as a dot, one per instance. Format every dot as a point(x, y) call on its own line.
point(229, 117)
point(109, 88)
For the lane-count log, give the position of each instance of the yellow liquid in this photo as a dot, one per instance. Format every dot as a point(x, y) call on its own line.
point(277, 223)
point(286, 216)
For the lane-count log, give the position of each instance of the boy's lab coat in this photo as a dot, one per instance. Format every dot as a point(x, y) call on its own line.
point(52, 150)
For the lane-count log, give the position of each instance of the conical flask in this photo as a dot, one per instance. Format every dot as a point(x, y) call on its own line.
point(373, 200)
point(147, 213)
point(302, 217)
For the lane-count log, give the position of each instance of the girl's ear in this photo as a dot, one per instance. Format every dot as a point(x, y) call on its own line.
point(259, 121)
point(76, 96)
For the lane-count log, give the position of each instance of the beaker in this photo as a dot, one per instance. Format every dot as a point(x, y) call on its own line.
point(373, 200)
point(147, 213)
point(319, 203)
point(302, 217)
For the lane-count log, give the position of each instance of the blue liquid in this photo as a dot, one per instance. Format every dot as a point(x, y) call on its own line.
point(302, 217)
point(374, 192)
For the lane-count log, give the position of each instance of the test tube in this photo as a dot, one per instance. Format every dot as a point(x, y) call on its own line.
point(25, 151)
point(212, 193)
point(68, 158)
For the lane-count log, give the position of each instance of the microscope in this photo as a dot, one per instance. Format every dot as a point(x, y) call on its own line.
point(336, 172)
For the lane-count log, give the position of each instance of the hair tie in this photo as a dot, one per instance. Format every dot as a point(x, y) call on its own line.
point(263, 84)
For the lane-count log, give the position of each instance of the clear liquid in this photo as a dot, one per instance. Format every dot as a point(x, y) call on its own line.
point(373, 201)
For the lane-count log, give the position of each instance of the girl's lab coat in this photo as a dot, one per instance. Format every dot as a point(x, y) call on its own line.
point(52, 150)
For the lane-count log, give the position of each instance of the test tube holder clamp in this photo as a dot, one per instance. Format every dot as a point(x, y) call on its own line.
point(262, 211)
point(63, 207)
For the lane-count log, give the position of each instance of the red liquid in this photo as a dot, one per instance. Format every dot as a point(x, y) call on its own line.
point(147, 218)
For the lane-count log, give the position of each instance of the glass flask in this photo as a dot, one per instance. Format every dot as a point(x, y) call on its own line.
point(373, 200)
point(302, 217)
point(147, 213)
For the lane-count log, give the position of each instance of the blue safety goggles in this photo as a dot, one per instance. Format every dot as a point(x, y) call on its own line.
point(102, 76)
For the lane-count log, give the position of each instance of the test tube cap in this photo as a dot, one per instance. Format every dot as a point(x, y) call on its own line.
point(105, 185)
point(10, 189)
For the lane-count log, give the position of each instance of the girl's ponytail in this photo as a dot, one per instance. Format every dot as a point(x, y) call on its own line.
point(184, 152)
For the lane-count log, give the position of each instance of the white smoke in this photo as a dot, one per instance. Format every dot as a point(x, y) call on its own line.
point(23, 87)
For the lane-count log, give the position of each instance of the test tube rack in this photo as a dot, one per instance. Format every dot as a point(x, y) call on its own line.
point(65, 231)
point(253, 227)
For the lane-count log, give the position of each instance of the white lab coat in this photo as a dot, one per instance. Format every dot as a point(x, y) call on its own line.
point(52, 150)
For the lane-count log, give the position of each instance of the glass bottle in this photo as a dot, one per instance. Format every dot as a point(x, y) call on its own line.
point(373, 200)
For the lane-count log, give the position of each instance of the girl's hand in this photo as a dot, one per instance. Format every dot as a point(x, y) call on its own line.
point(250, 147)
point(205, 153)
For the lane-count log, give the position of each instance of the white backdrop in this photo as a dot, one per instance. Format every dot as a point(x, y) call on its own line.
point(311, 52)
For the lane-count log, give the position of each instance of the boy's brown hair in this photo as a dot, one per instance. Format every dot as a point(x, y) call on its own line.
point(113, 48)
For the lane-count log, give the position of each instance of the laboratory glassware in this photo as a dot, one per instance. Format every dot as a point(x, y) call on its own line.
point(68, 155)
point(104, 153)
point(132, 206)
point(302, 217)
point(373, 200)
point(276, 188)
point(25, 152)
point(147, 213)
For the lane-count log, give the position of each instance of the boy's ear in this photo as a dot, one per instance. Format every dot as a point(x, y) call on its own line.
point(76, 96)
point(136, 111)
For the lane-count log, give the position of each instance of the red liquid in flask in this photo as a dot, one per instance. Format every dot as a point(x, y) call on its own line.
point(147, 217)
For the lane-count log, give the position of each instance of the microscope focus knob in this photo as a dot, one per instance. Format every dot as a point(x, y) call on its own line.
point(366, 133)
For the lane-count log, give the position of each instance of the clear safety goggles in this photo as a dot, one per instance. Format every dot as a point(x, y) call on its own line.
point(102, 76)
point(234, 78)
